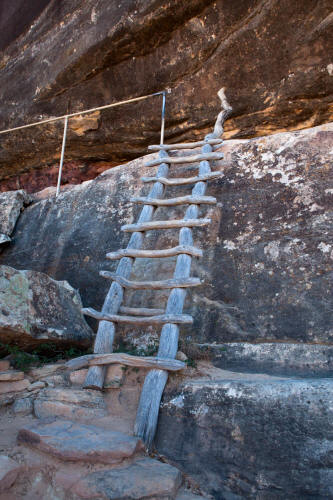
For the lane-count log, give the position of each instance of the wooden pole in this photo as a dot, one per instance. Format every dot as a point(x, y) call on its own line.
point(106, 330)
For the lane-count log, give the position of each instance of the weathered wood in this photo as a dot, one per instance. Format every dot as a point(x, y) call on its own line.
point(181, 200)
point(157, 254)
point(186, 159)
point(140, 311)
point(151, 285)
point(125, 359)
point(106, 330)
point(181, 181)
point(148, 409)
point(164, 224)
point(184, 319)
point(184, 145)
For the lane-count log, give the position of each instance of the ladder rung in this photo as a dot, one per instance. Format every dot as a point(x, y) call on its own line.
point(180, 181)
point(181, 200)
point(185, 159)
point(147, 254)
point(164, 224)
point(184, 319)
point(125, 359)
point(184, 145)
point(140, 311)
point(151, 285)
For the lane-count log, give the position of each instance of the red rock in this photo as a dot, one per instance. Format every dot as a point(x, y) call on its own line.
point(18, 386)
point(4, 365)
point(11, 375)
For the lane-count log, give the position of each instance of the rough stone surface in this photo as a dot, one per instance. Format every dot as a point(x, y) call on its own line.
point(23, 406)
point(70, 404)
point(35, 308)
point(4, 365)
point(11, 376)
point(77, 442)
point(17, 386)
point(267, 439)
point(11, 204)
point(267, 262)
point(306, 360)
point(9, 470)
point(274, 58)
point(188, 495)
point(145, 478)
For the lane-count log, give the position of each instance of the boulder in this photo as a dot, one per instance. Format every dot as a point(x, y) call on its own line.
point(274, 60)
point(34, 309)
point(247, 437)
point(267, 265)
point(145, 478)
point(11, 204)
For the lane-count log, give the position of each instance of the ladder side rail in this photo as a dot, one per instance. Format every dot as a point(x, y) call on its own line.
point(106, 330)
point(148, 409)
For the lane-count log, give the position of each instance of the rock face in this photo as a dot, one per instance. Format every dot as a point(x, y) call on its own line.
point(35, 308)
point(274, 58)
point(267, 262)
point(252, 438)
point(11, 204)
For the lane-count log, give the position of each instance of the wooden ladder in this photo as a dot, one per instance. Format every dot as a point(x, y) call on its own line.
point(113, 312)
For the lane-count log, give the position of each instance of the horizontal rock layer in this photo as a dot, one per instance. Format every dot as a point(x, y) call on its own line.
point(267, 265)
point(274, 58)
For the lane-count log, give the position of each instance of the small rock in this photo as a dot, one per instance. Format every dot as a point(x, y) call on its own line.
point(45, 371)
point(36, 386)
point(77, 377)
point(4, 365)
point(9, 470)
point(23, 406)
point(114, 378)
point(181, 356)
point(70, 404)
point(78, 442)
point(146, 478)
point(11, 375)
point(18, 386)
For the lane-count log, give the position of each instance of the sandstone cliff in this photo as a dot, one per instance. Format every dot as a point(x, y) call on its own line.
point(273, 57)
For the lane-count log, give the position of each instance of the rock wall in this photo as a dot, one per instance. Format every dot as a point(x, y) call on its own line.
point(267, 265)
point(252, 437)
point(273, 57)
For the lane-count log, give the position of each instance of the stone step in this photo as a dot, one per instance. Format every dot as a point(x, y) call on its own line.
point(145, 478)
point(285, 359)
point(71, 441)
point(73, 404)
